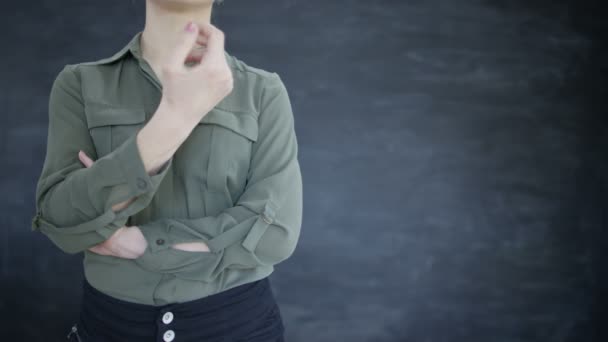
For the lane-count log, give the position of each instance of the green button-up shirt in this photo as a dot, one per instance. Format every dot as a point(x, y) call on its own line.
point(234, 183)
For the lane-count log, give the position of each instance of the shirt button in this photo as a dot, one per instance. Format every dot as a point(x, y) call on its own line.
point(160, 242)
point(141, 183)
point(168, 317)
point(168, 336)
point(266, 219)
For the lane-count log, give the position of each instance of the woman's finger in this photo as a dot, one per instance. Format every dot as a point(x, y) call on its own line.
point(98, 249)
point(215, 42)
point(85, 159)
point(185, 43)
point(191, 246)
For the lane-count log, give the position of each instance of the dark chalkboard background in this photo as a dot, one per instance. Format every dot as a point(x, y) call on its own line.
point(454, 155)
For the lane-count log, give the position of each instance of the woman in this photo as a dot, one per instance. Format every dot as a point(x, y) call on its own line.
point(173, 166)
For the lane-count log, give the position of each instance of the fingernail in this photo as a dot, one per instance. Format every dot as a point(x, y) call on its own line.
point(190, 26)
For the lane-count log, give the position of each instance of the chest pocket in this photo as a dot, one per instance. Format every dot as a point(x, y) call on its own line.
point(111, 126)
point(231, 137)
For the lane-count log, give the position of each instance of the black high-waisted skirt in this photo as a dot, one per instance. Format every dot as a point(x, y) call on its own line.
point(247, 312)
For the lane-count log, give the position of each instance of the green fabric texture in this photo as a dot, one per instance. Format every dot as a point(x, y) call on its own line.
point(235, 183)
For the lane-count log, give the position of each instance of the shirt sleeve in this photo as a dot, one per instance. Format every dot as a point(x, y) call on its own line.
point(264, 225)
point(73, 202)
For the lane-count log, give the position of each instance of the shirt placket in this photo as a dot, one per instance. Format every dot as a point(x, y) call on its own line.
point(165, 322)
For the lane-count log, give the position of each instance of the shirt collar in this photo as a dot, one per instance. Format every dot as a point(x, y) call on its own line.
point(134, 48)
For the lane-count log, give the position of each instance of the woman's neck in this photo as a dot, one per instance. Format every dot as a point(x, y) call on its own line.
point(164, 20)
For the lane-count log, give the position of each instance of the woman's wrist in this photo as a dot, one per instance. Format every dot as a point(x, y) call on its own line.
point(161, 136)
point(179, 117)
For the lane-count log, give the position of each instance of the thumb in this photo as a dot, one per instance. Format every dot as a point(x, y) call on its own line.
point(185, 43)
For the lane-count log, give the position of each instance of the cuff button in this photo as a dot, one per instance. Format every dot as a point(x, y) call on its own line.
point(266, 219)
point(160, 242)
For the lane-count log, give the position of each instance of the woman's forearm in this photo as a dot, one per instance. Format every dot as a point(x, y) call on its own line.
point(158, 140)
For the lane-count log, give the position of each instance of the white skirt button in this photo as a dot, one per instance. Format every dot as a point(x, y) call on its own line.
point(168, 336)
point(168, 317)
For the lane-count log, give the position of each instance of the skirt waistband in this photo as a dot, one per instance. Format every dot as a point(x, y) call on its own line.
point(238, 294)
point(233, 311)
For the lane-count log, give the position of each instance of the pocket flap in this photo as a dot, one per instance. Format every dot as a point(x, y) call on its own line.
point(244, 124)
point(114, 116)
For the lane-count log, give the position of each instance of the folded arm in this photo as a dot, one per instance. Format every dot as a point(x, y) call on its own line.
point(262, 228)
point(74, 203)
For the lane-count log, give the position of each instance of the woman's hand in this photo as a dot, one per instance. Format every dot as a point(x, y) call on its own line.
point(192, 91)
point(126, 242)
